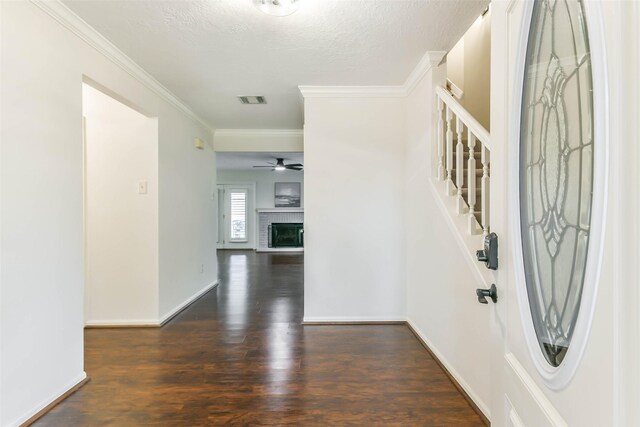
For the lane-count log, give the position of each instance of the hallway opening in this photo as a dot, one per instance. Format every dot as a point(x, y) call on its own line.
point(120, 212)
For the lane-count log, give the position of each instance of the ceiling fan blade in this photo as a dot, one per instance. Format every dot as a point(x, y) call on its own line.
point(298, 165)
point(295, 168)
point(263, 166)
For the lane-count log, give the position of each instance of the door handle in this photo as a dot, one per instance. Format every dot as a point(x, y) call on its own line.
point(492, 293)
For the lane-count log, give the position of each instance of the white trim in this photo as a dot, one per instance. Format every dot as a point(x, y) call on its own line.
point(353, 91)
point(352, 319)
point(558, 378)
point(122, 322)
point(514, 418)
point(471, 123)
point(454, 89)
point(465, 386)
point(188, 301)
point(429, 60)
point(46, 402)
point(258, 132)
point(153, 322)
point(65, 16)
point(250, 211)
point(545, 405)
point(460, 233)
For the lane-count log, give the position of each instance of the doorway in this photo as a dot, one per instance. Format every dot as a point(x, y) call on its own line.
point(236, 216)
point(260, 201)
point(120, 212)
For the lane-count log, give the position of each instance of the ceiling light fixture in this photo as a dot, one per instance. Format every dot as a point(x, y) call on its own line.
point(277, 7)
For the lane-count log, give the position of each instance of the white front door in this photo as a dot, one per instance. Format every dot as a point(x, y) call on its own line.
point(562, 353)
point(236, 222)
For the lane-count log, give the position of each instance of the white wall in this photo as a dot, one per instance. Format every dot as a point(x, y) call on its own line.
point(259, 140)
point(377, 244)
point(41, 294)
point(265, 183)
point(188, 214)
point(121, 226)
point(469, 68)
point(441, 303)
point(354, 208)
point(455, 64)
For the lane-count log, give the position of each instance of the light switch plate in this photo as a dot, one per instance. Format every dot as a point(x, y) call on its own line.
point(142, 187)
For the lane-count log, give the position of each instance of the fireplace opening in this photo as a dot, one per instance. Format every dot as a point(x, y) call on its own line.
point(286, 235)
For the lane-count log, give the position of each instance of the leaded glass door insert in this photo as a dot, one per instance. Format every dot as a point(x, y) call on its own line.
point(556, 170)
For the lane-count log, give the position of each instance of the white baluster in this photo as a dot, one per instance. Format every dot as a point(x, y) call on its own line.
point(485, 191)
point(441, 141)
point(449, 152)
point(459, 166)
point(471, 181)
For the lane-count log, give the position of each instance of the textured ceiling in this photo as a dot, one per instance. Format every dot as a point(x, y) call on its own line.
point(244, 161)
point(208, 52)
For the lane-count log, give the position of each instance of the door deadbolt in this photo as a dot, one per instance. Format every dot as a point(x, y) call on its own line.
point(492, 293)
point(489, 255)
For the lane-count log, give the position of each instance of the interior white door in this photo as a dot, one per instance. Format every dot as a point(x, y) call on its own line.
point(556, 331)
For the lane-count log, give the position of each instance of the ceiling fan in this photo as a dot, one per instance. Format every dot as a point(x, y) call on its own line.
point(280, 166)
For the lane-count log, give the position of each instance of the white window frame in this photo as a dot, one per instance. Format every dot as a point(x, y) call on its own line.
point(244, 239)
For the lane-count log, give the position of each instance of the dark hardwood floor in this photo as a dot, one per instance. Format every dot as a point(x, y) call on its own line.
point(240, 355)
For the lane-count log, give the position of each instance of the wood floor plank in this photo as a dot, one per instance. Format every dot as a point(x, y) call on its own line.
point(241, 356)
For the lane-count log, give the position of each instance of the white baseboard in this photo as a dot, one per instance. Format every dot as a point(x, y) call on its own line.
point(458, 224)
point(150, 323)
point(164, 319)
point(353, 319)
point(122, 323)
point(465, 386)
point(48, 401)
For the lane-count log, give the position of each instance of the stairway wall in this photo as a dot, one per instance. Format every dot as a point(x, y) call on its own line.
point(441, 302)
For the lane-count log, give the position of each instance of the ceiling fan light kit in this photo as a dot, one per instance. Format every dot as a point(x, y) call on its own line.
point(277, 7)
point(280, 165)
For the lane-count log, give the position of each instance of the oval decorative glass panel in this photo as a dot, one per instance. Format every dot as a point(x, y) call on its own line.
point(556, 170)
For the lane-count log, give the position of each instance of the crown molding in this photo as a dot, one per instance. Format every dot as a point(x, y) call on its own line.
point(428, 61)
point(352, 91)
point(258, 132)
point(65, 16)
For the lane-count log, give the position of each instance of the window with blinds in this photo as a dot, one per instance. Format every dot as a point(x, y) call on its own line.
point(238, 214)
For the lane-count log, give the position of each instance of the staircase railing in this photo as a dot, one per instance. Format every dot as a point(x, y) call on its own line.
point(465, 180)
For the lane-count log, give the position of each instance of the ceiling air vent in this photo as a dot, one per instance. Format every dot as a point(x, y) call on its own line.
point(252, 99)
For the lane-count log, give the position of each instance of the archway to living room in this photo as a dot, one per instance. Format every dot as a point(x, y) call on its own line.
point(260, 228)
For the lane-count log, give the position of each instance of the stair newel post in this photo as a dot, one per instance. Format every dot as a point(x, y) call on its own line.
point(471, 180)
point(485, 191)
point(449, 151)
point(459, 165)
point(441, 141)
